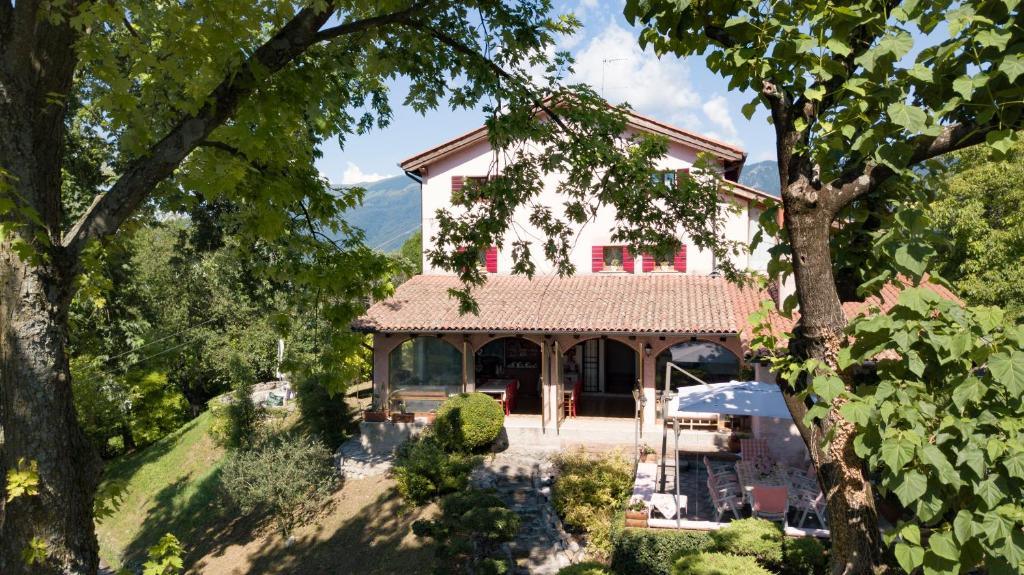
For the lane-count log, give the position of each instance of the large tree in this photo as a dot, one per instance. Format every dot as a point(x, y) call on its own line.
point(859, 93)
point(209, 102)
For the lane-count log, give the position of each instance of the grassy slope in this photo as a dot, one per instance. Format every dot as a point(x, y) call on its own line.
point(171, 488)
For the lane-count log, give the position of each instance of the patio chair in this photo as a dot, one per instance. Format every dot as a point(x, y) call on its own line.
point(721, 475)
point(724, 500)
point(771, 503)
point(510, 397)
point(754, 449)
point(808, 501)
point(572, 398)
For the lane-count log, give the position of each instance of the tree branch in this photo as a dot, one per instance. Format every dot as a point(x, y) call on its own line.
point(108, 211)
point(952, 138)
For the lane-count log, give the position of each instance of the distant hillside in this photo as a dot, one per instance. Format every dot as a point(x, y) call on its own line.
point(762, 175)
point(390, 212)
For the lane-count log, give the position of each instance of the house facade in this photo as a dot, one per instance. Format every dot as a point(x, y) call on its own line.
point(592, 345)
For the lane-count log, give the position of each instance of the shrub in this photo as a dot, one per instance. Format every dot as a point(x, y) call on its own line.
point(289, 478)
point(236, 421)
point(652, 551)
point(804, 556)
point(469, 422)
point(424, 470)
point(588, 492)
point(324, 414)
point(752, 537)
point(588, 568)
point(469, 533)
point(717, 564)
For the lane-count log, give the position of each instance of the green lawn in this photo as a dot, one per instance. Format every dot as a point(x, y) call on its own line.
point(172, 487)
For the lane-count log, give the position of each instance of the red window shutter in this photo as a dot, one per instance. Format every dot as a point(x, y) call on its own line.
point(457, 182)
point(491, 257)
point(597, 259)
point(648, 265)
point(680, 260)
point(680, 174)
point(627, 260)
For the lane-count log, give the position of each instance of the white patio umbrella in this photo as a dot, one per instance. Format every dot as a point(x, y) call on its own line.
point(731, 398)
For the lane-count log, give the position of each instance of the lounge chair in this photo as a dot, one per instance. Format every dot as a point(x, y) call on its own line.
point(724, 499)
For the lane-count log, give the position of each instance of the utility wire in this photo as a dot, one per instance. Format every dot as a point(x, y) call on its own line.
point(162, 338)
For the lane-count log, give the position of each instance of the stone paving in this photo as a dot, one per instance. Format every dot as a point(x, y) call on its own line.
point(523, 478)
point(353, 461)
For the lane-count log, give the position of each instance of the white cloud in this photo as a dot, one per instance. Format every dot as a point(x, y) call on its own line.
point(354, 175)
point(659, 87)
point(763, 155)
point(717, 111)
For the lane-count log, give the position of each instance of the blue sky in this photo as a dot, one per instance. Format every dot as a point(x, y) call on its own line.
point(682, 92)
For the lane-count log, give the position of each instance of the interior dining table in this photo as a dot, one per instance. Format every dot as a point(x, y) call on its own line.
point(498, 389)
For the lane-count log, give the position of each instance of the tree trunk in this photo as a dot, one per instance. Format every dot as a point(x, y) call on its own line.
point(853, 520)
point(39, 424)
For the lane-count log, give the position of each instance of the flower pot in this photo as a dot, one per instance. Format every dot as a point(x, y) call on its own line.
point(403, 417)
point(636, 518)
point(375, 416)
point(649, 458)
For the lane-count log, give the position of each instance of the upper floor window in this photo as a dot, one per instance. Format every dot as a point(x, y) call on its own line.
point(611, 259)
point(486, 260)
point(468, 188)
point(668, 177)
point(668, 262)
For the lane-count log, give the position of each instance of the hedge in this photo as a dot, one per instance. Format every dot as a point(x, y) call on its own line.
point(652, 551)
point(469, 422)
point(588, 568)
point(804, 556)
point(717, 564)
point(752, 537)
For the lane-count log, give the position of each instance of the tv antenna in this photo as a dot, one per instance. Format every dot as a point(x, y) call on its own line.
point(604, 62)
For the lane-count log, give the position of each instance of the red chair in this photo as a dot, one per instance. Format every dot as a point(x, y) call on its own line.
point(771, 503)
point(572, 398)
point(510, 397)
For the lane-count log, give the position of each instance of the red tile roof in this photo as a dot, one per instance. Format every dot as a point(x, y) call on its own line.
point(600, 303)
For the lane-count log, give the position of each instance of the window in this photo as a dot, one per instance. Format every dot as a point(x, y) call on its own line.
point(611, 259)
point(667, 262)
point(667, 177)
point(468, 188)
point(425, 361)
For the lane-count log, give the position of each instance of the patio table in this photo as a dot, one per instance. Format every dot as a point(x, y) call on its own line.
point(497, 388)
point(751, 473)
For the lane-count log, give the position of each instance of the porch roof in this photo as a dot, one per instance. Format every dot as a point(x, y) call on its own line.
point(600, 303)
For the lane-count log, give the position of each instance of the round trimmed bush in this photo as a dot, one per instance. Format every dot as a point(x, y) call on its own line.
point(588, 568)
point(752, 537)
point(804, 556)
point(469, 422)
point(717, 564)
point(652, 551)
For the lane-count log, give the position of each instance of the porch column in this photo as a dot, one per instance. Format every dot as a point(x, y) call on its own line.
point(547, 389)
point(380, 367)
point(648, 363)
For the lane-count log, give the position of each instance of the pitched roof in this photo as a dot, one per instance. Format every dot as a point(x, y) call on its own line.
point(732, 155)
point(600, 303)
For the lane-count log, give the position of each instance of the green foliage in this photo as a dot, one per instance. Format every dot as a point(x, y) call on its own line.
point(587, 568)
point(717, 564)
point(469, 422)
point(412, 252)
point(879, 80)
point(157, 407)
point(979, 206)
point(804, 556)
point(325, 414)
point(289, 477)
point(941, 429)
point(589, 490)
point(109, 497)
point(653, 551)
point(469, 533)
point(35, 552)
point(423, 469)
point(165, 558)
point(236, 419)
point(23, 480)
point(758, 538)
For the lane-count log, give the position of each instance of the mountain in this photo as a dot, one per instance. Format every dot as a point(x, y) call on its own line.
point(762, 175)
point(390, 212)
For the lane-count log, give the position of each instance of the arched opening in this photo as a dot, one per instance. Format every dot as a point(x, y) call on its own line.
point(707, 360)
point(425, 363)
point(606, 371)
point(516, 361)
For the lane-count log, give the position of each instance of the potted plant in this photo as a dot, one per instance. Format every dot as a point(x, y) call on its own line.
point(376, 412)
point(637, 513)
point(648, 454)
point(734, 440)
point(402, 416)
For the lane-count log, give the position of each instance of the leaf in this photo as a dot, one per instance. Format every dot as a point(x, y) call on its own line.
point(896, 453)
point(856, 411)
point(1000, 140)
point(964, 86)
point(970, 391)
point(909, 557)
point(911, 533)
point(911, 118)
point(910, 485)
point(828, 387)
point(1008, 369)
point(989, 492)
point(1012, 66)
point(23, 480)
point(934, 456)
point(944, 546)
point(963, 526)
point(1015, 465)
